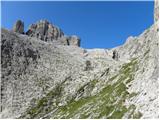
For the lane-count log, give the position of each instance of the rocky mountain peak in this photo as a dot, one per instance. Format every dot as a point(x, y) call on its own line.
point(44, 31)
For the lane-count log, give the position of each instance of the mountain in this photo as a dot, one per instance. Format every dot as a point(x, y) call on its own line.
point(46, 74)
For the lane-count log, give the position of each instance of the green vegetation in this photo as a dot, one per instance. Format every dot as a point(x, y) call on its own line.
point(40, 109)
point(94, 82)
point(137, 115)
point(133, 94)
point(133, 114)
point(108, 103)
point(89, 85)
point(114, 77)
point(127, 71)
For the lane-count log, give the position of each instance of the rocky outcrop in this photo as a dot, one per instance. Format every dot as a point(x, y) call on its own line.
point(19, 27)
point(115, 55)
point(70, 40)
point(45, 31)
point(156, 11)
point(74, 40)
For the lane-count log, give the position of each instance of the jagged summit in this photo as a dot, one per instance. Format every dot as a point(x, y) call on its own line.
point(44, 31)
point(47, 32)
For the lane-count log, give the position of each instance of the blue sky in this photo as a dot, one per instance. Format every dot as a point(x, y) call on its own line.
point(98, 24)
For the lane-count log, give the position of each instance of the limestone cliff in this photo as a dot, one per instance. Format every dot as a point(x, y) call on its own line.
point(45, 31)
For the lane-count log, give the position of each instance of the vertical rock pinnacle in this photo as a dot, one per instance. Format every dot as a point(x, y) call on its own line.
point(156, 11)
point(18, 27)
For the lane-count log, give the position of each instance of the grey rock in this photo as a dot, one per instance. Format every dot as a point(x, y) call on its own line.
point(45, 31)
point(156, 11)
point(70, 40)
point(18, 27)
point(88, 65)
point(64, 40)
point(74, 40)
point(115, 55)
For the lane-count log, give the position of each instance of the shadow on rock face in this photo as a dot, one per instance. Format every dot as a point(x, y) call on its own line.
point(16, 52)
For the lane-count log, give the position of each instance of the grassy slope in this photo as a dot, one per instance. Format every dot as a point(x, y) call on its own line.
point(108, 103)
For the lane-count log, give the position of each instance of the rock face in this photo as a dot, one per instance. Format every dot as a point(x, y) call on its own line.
point(45, 31)
point(74, 40)
point(156, 11)
point(115, 55)
point(70, 40)
point(42, 79)
point(19, 27)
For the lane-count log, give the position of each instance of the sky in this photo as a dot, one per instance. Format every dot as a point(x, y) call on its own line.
point(99, 24)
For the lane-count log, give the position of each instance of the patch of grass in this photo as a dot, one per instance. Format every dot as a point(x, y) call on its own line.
point(90, 85)
point(114, 77)
point(137, 115)
point(84, 116)
point(128, 71)
point(131, 111)
point(133, 114)
point(133, 94)
point(130, 64)
point(105, 111)
point(38, 108)
point(108, 103)
point(118, 114)
point(93, 82)
point(43, 105)
point(75, 105)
